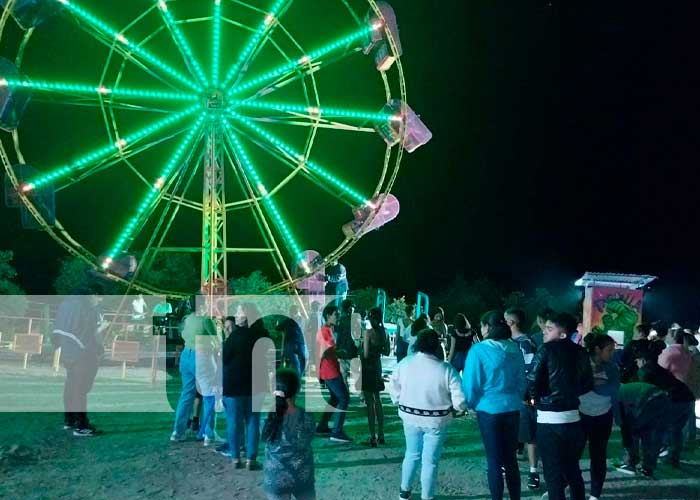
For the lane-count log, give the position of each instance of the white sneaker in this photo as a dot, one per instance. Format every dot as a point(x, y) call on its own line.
point(546, 495)
point(175, 437)
point(208, 441)
point(593, 498)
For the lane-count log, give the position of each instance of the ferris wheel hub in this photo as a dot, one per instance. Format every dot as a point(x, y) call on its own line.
point(215, 99)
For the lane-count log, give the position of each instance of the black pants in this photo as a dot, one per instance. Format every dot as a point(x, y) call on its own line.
point(80, 376)
point(645, 425)
point(500, 434)
point(597, 430)
point(560, 447)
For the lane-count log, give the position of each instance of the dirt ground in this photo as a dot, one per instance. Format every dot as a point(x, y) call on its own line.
point(135, 459)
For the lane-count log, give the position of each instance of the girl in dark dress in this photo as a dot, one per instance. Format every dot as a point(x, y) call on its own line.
point(374, 345)
point(289, 459)
point(461, 340)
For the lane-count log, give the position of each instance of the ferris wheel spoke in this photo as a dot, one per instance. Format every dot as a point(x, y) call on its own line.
point(120, 157)
point(307, 63)
point(292, 162)
point(99, 92)
point(154, 194)
point(181, 42)
point(267, 24)
point(216, 44)
point(121, 40)
point(314, 116)
point(304, 162)
point(267, 200)
point(119, 146)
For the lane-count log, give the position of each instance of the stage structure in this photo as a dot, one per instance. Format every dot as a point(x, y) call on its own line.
point(612, 303)
point(217, 120)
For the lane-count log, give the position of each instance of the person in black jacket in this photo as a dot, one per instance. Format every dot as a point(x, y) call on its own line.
point(560, 373)
point(77, 332)
point(237, 358)
point(628, 363)
point(651, 372)
point(344, 343)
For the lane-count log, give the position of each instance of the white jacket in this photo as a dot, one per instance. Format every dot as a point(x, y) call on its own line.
point(426, 390)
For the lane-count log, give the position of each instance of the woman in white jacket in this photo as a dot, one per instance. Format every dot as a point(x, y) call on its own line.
point(427, 391)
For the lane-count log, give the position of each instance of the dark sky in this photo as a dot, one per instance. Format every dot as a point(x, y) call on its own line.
point(565, 140)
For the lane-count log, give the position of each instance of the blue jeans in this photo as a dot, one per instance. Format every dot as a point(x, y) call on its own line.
point(423, 444)
point(239, 410)
point(189, 391)
point(340, 399)
point(499, 432)
point(208, 423)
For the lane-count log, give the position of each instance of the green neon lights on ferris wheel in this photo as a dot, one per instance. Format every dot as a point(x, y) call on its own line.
point(102, 152)
point(121, 39)
point(269, 203)
point(216, 52)
point(127, 233)
point(311, 165)
point(305, 60)
point(177, 33)
point(268, 22)
point(76, 88)
point(316, 111)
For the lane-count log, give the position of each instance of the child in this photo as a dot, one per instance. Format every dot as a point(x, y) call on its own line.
point(289, 460)
point(208, 377)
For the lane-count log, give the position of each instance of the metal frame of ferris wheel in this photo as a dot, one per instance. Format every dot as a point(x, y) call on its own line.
point(217, 154)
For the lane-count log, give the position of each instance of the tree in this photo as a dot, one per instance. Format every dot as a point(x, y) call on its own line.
point(395, 310)
point(172, 272)
point(470, 298)
point(13, 303)
point(364, 298)
point(256, 283)
point(74, 273)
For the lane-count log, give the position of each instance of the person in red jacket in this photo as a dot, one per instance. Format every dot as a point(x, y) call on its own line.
point(329, 373)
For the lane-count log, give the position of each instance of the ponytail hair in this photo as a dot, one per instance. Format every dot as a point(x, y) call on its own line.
point(287, 386)
point(498, 329)
point(597, 340)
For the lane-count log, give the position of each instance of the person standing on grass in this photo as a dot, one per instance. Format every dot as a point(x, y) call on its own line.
point(344, 342)
point(561, 372)
point(195, 324)
point(427, 392)
point(515, 319)
point(237, 359)
point(628, 364)
point(403, 324)
point(597, 406)
point(681, 401)
point(461, 340)
point(77, 332)
point(329, 373)
point(494, 384)
point(643, 408)
point(374, 345)
point(288, 432)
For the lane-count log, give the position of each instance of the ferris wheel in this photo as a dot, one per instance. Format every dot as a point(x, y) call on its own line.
point(233, 130)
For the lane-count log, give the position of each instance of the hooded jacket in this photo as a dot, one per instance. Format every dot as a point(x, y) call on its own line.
point(494, 377)
point(75, 329)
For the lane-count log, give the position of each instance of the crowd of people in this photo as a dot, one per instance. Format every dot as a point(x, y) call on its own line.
point(543, 396)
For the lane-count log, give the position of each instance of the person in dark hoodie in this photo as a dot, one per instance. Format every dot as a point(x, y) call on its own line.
point(237, 358)
point(493, 384)
point(77, 332)
point(561, 372)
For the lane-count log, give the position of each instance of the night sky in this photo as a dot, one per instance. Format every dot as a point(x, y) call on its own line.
point(564, 141)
